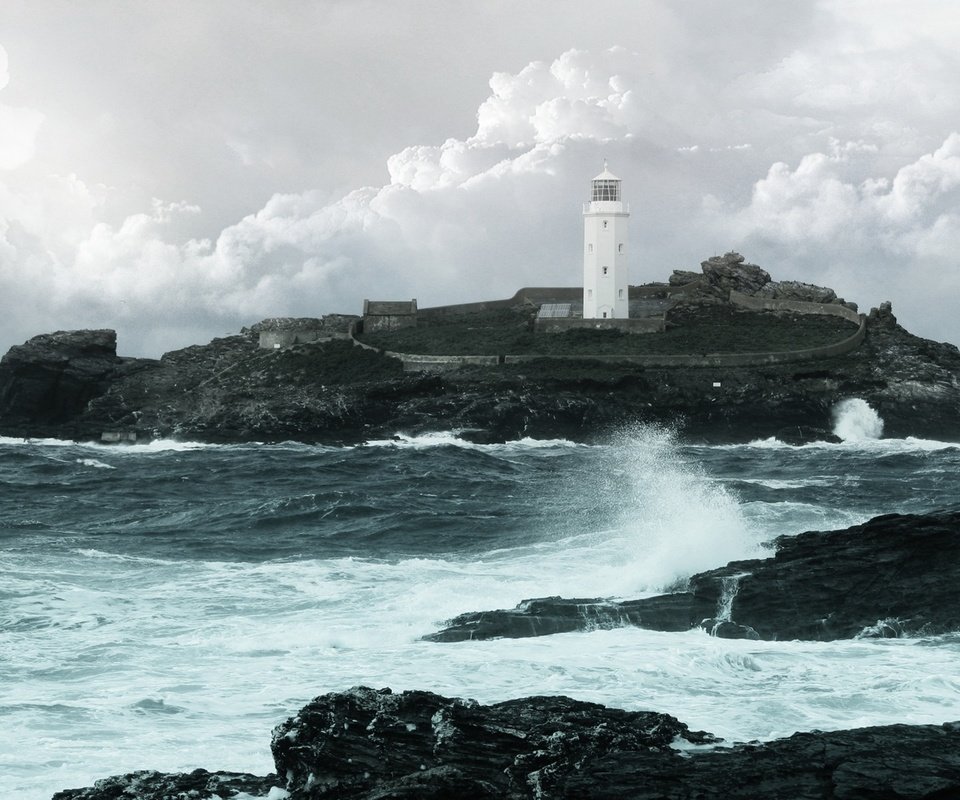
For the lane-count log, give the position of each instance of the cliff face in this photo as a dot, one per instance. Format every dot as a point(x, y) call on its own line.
point(72, 384)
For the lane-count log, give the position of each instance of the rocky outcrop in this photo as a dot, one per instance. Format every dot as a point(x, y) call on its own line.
point(196, 785)
point(366, 744)
point(48, 381)
point(731, 272)
point(683, 277)
point(795, 290)
point(894, 575)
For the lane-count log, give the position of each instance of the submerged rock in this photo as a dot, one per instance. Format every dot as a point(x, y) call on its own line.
point(367, 744)
point(894, 575)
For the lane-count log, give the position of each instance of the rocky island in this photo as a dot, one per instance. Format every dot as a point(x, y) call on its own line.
point(735, 360)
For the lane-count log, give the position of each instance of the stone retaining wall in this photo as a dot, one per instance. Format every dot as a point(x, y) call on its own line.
point(796, 306)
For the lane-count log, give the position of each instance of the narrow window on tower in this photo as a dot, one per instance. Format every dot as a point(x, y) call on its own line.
point(589, 248)
point(605, 223)
point(589, 294)
point(620, 248)
point(604, 270)
point(621, 294)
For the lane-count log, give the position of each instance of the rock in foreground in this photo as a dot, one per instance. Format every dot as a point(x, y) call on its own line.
point(196, 785)
point(367, 744)
point(894, 575)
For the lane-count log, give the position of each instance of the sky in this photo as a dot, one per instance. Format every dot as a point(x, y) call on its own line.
point(178, 170)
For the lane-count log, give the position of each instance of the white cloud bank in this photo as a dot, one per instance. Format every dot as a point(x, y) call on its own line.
point(860, 196)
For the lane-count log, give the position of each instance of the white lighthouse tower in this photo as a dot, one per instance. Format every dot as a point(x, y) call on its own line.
point(605, 283)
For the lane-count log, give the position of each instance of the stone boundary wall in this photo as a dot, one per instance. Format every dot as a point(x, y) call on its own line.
point(797, 306)
point(536, 295)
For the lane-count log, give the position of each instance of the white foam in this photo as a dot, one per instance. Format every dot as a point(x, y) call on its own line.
point(93, 462)
point(854, 420)
point(660, 517)
point(452, 439)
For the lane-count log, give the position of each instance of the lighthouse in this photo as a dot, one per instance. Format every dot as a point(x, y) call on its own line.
point(605, 282)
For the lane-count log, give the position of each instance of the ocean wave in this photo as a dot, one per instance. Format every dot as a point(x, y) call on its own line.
point(891, 445)
point(452, 438)
point(93, 462)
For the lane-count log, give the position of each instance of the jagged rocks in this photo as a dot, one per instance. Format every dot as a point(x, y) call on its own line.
point(729, 272)
point(366, 743)
point(795, 290)
point(683, 277)
point(894, 573)
point(196, 785)
point(49, 379)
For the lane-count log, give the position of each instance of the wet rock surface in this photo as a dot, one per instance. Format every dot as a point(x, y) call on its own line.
point(151, 785)
point(894, 575)
point(367, 744)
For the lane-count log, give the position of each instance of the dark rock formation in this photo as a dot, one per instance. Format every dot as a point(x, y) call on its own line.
point(366, 744)
point(894, 575)
point(47, 382)
point(730, 272)
point(795, 290)
point(683, 277)
point(196, 785)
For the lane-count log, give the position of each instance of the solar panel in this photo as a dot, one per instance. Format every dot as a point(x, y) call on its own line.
point(554, 311)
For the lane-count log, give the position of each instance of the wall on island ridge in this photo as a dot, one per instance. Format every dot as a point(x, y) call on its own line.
point(796, 306)
point(537, 295)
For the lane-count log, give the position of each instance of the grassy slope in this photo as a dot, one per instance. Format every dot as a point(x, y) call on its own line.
point(694, 329)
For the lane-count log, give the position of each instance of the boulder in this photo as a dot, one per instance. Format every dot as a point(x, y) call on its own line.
point(196, 785)
point(729, 272)
point(366, 743)
point(684, 277)
point(795, 290)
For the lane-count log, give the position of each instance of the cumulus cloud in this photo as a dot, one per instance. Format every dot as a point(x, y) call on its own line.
point(799, 159)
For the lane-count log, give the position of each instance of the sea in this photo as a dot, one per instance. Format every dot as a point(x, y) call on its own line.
point(165, 605)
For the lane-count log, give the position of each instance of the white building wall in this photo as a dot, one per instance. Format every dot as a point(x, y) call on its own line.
point(605, 276)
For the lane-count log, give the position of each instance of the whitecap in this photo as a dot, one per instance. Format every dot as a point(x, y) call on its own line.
point(93, 462)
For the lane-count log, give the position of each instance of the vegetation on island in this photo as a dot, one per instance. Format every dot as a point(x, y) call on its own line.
point(691, 329)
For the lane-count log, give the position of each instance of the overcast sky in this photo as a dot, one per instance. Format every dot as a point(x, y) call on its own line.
point(177, 170)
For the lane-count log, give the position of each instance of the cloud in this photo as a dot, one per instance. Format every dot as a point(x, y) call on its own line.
point(752, 148)
point(880, 238)
point(18, 126)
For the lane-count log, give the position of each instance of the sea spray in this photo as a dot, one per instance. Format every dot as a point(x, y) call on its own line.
point(669, 518)
point(855, 421)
